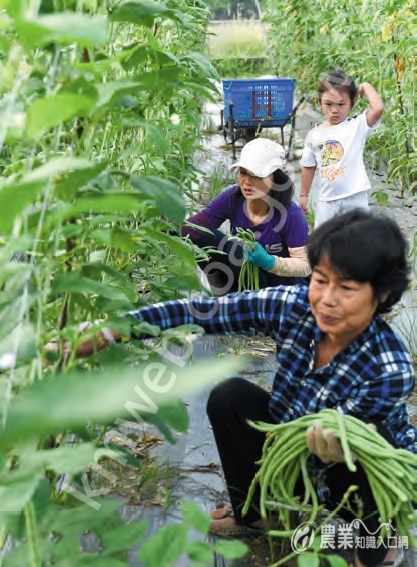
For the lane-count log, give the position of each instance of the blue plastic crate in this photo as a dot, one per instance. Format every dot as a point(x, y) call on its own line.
point(266, 101)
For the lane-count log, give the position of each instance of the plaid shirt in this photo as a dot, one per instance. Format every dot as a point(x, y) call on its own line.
point(370, 379)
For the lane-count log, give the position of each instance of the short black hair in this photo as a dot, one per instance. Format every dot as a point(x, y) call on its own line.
point(340, 81)
point(366, 247)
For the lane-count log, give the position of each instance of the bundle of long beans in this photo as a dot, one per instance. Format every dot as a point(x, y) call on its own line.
point(249, 274)
point(392, 473)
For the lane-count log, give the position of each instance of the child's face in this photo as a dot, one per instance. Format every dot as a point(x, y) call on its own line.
point(335, 105)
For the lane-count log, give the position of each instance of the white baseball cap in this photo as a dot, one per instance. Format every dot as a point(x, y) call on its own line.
point(261, 157)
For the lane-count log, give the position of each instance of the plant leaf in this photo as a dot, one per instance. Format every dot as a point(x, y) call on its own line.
point(195, 517)
point(72, 282)
point(76, 398)
point(309, 560)
point(61, 460)
point(45, 113)
point(141, 12)
point(15, 495)
point(64, 28)
point(164, 194)
point(163, 548)
point(124, 537)
point(231, 549)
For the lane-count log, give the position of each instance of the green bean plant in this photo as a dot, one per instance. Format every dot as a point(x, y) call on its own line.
point(100, 103)
point(372, 43)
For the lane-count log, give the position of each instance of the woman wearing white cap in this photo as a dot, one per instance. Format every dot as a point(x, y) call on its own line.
point(262, 202)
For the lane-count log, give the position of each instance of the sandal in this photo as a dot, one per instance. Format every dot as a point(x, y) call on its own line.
point(237, 531)
point(230, 529)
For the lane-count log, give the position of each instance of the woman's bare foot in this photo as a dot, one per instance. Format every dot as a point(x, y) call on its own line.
point(228, 523)
point(222, 518)
point(222, 512)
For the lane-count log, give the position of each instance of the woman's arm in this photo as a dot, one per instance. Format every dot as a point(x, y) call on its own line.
point(246, 312)
point(296, 266)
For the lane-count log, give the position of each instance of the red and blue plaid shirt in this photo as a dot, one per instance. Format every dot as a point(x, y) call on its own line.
point(371, 378)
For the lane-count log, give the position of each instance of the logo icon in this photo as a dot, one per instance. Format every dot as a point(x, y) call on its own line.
point(331, 152)
point(303, 537)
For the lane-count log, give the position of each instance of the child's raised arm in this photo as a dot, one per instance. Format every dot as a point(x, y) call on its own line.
point(375, 102)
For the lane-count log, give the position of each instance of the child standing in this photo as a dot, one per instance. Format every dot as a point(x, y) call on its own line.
point(336, 147)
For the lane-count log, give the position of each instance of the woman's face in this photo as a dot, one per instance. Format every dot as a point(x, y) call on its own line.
point(343, 308)
point(253, 187)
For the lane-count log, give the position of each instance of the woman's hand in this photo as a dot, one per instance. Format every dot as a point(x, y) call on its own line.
point(259, 257)
point(323, 443)
point(100, 340)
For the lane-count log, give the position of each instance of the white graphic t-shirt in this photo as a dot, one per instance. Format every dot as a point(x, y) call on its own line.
point(337, 152)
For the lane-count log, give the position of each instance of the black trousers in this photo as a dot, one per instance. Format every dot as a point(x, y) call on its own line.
point(227, 261)
point(229, 406)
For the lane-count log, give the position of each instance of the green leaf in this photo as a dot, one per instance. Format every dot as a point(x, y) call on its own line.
point(111, 91)
point(231, 549)
point(45, 113)
point(164, 194)
point(174, 414)
point(15, 8)
point(195, 517)
point(119, 279)
point(61, 460)
point(15, 495)
point(142, 13)
point(72, 282)
point(94, 560)
point(18, 343)
point(202, 63)
point(335, 561)
point(12, 269)
point(200, 551)
point(17, 194)
point(381, 197)
point(162, 80)
point(69, 183)
point(64, 28)
point(175, 244)
point(124, 537)
point(156, 134)
point(76, 398)
point(163, 548)
point(309, 560)
point(15, 244)
point(117, 237)
point(80, 518)
point(109, 202)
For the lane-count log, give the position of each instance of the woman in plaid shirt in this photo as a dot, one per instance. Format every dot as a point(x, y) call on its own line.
point(334, 350)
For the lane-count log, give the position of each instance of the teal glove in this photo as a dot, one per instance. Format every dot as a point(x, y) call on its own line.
point(259, 257)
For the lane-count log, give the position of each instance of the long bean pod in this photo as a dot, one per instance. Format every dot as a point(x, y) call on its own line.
point(392, 473)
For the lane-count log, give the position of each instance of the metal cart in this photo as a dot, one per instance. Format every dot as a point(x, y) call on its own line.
point(250, 105)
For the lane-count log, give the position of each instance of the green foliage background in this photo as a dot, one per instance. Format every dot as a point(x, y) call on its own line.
point(99, 117)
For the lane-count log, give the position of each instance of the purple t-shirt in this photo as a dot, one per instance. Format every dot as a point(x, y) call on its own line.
point(283, 228)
